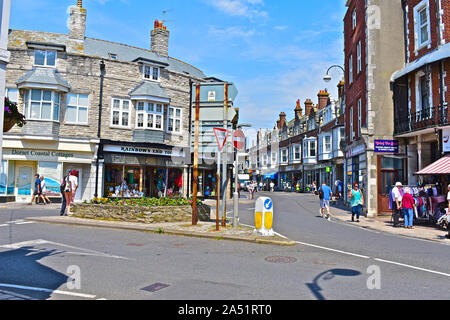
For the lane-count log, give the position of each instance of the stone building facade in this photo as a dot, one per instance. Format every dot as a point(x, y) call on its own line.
point(144, 140)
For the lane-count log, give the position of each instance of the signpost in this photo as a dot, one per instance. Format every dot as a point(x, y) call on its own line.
point(221, 137)
point(239, 144)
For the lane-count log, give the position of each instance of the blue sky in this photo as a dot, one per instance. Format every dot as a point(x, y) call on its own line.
point(275, 51)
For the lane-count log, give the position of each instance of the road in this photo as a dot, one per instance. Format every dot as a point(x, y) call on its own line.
point(332, 260)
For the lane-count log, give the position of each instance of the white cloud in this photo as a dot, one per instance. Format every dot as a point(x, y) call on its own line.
point(231, 32)
point(243, 8)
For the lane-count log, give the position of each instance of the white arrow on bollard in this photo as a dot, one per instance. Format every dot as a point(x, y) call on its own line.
point(264, 217)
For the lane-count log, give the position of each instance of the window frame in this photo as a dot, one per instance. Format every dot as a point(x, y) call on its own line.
point(150, 108)
point(359, 57)
point(359, 116)
point(354, 19)
point(418, 9)
point(151, 72)
point(78, 106)
point(350, 64)
point(352, 133)
point(121, 112)
point(175, 118)
point(28, 102)
point(329, 144)
point(45, 59)
point(294, 153)
point(7, 91)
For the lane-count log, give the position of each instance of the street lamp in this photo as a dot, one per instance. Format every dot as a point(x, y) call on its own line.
point(236, 172)
point(327, 77)
point(102, 76)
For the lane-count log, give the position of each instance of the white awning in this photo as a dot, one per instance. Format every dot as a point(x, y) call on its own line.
point(436, 55)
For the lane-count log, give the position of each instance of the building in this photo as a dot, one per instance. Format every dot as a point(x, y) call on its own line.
point(143, 138)
point(421, 114)
point(374, 49)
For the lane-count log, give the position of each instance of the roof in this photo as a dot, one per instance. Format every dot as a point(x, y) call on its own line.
point(148, 88)
point(441, 166)
point(44, 76)
point(102, 48)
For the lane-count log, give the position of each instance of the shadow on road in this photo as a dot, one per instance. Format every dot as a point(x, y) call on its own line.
point(329, 275)
point(20, 267)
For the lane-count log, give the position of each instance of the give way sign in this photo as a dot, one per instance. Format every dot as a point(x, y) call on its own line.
point(239, 139)
point(221, 137)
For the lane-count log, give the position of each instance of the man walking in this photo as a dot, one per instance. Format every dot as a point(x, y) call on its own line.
point(397, 195)
point(37, 189)
point(325, 195)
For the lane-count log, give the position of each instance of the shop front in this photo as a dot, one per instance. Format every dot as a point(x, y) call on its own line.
point(356, 168)
point(144, 171)
point(290, 178)
point(21, 162)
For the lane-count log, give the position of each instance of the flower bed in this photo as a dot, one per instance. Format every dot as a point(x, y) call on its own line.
point(145, 210)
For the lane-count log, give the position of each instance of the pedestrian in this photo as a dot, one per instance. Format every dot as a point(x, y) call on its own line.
point(251, 189)
point(261, 186)
point(325, 195)
point(314, 187)
point(409, 206)
point(70, 189)
point(356, 201)
point(37, 189)
point(272, 186)
point(62, 189)
point(397, 194)
point(44, 197)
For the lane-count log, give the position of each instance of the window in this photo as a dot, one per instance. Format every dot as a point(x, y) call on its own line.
point(120, 113)
point(174, 120)
point(113, 56)
point(77, 108)
point(151, 73)
point(421, 13)
point(297, 153)
point(45, 58)
point(12, 94)
point(354, 20)
point(359, 60)
point(274, 158)
point(312, 149)
point(41, 105)
point(149, 115)
point(351, 123)
point(359, 117)
point(284, 156)
point(424, 98)
point(350, 64)
point(327, 143)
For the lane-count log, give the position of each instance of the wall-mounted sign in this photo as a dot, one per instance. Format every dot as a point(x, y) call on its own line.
point(147, 151)
point(211, 96)
point(386, 146)
point(446, 139)
point(356, 151)
point(46, 155)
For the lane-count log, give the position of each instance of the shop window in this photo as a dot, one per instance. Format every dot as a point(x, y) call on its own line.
point(51, 171)
point(77, 108)
point(11, 177)
point(123, 181)
point(42, 105)
point(3, 180)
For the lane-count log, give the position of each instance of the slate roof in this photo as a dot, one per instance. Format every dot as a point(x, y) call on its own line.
point(148, 88)
point(47, 76)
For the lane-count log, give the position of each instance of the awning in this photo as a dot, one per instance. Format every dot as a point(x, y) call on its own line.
point(271, 176)
point(441, 166)
point(244, 177)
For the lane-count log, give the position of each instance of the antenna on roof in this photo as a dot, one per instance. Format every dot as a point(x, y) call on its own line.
point(164, 13)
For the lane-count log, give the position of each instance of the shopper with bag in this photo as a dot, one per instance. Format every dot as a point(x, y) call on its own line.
point(356, 201)
point(397, 194)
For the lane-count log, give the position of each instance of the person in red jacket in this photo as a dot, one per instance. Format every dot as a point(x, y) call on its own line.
point(408, 206)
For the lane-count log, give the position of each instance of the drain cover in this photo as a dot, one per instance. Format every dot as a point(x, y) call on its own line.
point(135, 245)
point(156, 287)
point(281, 259)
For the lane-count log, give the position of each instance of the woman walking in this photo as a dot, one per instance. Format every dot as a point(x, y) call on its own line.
point(356, 201)
point(408, 205)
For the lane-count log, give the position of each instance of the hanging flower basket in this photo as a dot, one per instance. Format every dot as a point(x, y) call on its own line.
point(12, 116)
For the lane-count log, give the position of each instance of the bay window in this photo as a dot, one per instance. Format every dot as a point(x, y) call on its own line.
point(149, 115)
point(41, 105)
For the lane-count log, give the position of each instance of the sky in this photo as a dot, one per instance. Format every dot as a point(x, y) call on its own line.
point(274, 51)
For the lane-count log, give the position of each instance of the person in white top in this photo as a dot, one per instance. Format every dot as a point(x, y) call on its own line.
point(397, 205)
point(44, 197)
point(70, 189)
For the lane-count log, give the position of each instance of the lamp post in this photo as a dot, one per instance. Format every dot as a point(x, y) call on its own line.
point(102, 76)
point(236, 180)
point(327, 77)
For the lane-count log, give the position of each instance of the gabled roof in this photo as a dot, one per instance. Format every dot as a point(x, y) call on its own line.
point(44, 78)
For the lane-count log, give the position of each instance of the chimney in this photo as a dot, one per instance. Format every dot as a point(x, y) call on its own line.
point(160, 39)
point(308, 107)
point(298, 111)
point(77, 21)
point(341, 88)
point(282, 120)
point(323, 99)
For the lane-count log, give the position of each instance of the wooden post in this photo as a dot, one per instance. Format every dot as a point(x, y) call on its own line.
point(196, 142)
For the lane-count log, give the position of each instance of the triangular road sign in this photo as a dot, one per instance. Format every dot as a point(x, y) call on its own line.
point(221, 137)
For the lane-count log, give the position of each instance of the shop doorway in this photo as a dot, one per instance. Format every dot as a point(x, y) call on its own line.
point(24, 182)
point(391, 171)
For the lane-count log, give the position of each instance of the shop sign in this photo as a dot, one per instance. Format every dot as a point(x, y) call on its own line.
point(146, 151)
point(386, 146)
point(43, 155)
point(328, 169)
point(356, 151)
point(446, 139)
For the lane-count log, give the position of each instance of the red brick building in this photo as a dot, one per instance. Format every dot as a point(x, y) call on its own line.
point(420, 88)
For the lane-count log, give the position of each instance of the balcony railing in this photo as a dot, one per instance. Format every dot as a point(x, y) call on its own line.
point(423, 119)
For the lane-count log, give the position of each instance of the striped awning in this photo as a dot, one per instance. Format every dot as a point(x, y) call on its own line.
point(441, 166)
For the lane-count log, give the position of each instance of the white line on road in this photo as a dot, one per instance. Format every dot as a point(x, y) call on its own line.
point(74, 294)
point(25, 222)
point(334, 250)
point(3, 225)
point(412, 267)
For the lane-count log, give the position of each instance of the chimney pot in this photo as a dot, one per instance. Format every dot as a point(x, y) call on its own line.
point(160, 39)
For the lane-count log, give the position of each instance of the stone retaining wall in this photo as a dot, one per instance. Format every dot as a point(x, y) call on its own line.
point(139, 214)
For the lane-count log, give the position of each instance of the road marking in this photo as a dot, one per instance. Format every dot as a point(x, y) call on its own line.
point(4, 225)
point(25, 222)
point(74, 294)
point(413, 267)
point(334, 250)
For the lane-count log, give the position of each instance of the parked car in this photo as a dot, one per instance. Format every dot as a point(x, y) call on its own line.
point(244, 185)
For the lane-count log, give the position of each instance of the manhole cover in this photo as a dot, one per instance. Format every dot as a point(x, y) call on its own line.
point(156, 287)
point(179, 244)
point(135, 245)
point(281, 259)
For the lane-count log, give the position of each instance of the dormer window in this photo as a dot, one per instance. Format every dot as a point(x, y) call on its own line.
point(45, 58)
point(113, 56)
point(151, 73)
